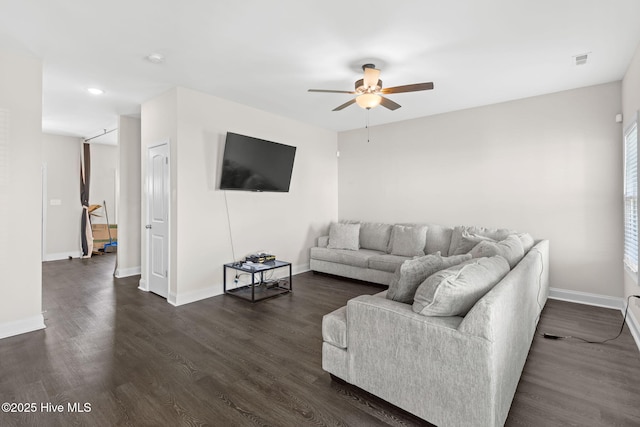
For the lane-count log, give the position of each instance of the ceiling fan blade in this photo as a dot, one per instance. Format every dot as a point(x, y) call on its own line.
point(408, 88)
point(345, 105)
point(387, 103)
point(331, 91)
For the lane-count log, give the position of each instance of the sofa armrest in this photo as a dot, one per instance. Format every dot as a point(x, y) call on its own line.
point(507, 316)
point(419, 363)
point(380, 302)
point(323, 241)
point(512, 308)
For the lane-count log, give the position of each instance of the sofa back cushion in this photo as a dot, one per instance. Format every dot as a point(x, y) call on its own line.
point(467, 241)
point(461, 231)
point(408, 240)
point(510, 249)
point(374, 235)
point(438, 239)
point(412, 273)
point(344, 236)
point(527, 241)
point(455, 290)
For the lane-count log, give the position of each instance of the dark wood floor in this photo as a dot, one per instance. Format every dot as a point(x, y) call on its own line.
point(140, 361)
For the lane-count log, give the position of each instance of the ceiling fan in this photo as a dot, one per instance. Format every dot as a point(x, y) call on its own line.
point(369, 91)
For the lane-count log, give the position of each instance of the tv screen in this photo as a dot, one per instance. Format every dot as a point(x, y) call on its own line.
point(254, 164)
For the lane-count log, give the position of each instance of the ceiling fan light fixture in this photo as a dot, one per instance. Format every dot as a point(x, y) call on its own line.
point(361, 86)
point(371, 77)
point(368, 100)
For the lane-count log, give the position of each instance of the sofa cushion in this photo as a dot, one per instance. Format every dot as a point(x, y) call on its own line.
point(510, 249)
point(527, 241)
point(375, 236)
point(359, 258)
point(386, 262)
point(344, 236)
point(413, 272)
point(438, 239)
point(323, 241)
point(455, 290)
point(334, 327)
point(468, 241)
point(407, 240)
point(492, 233)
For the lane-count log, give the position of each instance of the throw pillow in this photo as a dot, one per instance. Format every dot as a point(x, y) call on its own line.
point(344, 236)
point(450, 261)
point(468, 241)
point(527, 241)
point(510, 249)
point(438, 239)
point(412, 273)
point(454, 291)
point(492, 233)
point(408, 240)
point(375, 236)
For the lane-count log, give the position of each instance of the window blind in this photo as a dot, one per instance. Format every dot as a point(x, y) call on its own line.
point(631, 197)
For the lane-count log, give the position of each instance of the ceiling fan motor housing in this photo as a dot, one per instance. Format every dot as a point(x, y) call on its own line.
point(361, 89)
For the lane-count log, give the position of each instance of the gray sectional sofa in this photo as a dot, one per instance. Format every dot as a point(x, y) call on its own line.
point(373, 261)
point(451, 368)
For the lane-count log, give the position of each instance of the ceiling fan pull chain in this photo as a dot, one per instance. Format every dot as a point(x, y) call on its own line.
point(367, 124)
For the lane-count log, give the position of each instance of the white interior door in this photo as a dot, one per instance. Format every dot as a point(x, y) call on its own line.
point(158, 225)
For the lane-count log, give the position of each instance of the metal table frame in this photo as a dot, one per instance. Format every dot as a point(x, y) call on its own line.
point(254, 269)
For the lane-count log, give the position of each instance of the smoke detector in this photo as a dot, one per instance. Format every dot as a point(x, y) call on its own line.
point(155, 58)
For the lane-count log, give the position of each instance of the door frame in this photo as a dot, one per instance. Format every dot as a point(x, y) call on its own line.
point(144, 283)
point(45, 211)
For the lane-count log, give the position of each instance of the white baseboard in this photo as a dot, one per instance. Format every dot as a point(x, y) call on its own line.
point(215, 290)
point(586, 298)
point(599, 301)
point(172, 299)
point(634, 327)
point(61, 255)
point(143, 285)
point(189, 297)
point(17, 327)
point(303, 268)
point(128, 272)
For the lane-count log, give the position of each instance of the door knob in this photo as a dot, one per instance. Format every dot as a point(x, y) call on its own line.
point(148, 226)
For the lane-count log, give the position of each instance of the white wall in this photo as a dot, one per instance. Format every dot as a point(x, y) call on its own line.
point(285, 224)
point(62, 210)
point(104, 164)
point(630, 108)
point(129, 205)
point(159, 118)
point(61, 161)
point(550, 165)
point(20, 193)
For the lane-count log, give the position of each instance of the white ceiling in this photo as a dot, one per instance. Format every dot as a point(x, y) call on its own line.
point(266, 54)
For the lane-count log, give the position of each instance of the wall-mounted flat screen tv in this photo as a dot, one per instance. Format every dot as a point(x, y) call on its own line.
point(254, 164)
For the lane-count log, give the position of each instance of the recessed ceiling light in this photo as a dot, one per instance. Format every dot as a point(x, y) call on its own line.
point(95, 91)
point(155, 58)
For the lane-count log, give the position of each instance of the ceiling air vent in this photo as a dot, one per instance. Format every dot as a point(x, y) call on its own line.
point(581, 59)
